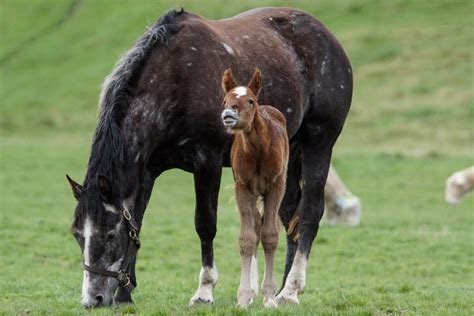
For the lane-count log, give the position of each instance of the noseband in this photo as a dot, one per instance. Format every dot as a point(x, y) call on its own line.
point(122, 275)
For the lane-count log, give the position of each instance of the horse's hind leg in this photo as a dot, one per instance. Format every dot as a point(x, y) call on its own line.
point(289, 205)
point(269, 236)
point(317, 143)
point(206, 183)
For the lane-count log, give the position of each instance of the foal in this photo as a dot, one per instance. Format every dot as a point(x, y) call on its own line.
point(259, 159)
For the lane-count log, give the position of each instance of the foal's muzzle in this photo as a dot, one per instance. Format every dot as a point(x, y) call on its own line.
point(229, 117)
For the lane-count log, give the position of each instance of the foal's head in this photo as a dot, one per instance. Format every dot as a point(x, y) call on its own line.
point(240, 102)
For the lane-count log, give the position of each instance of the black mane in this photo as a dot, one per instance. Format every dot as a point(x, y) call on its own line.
point(107, 152)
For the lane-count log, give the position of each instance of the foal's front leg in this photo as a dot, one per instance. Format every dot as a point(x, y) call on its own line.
point(248, 241)
point(269, 236)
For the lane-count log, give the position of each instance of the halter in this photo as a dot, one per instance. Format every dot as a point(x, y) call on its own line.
point(122, 275)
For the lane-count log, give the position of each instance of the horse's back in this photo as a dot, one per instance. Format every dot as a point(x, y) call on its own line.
point(305, 69)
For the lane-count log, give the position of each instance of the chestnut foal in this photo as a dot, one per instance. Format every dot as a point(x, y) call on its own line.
point(259, 159)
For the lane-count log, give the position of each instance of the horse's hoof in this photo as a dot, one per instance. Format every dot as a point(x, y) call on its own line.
point(270, 303)
point(287, 297)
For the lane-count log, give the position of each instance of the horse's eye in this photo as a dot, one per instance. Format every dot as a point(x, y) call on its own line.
point(223, 103)
point(251, 101)
point(110, 236)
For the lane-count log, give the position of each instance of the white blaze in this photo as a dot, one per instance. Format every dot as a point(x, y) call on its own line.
point(240, 91)
point(87, 231)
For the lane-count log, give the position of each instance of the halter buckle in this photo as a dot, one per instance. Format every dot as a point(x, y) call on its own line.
point(123, 278)
point(127, 215)
point(133, 234)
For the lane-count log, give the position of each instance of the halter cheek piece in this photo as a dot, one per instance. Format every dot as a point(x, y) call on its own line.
point(122, 275)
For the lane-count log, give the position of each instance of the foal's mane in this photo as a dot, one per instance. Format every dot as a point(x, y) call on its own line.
point(108, 155)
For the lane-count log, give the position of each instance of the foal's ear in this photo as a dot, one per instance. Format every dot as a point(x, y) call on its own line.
point(228, 82)
point(256, 83)
point(76, 187)
point(105, 188)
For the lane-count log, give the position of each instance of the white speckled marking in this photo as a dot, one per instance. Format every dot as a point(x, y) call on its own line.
point(110, 208)
point(228, 48)
point(289, 110)
point(184, 141)
point(193, 48)
point(239, 92)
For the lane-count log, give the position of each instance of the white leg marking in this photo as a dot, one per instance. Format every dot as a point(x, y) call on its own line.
point(295, 281)
point(207, 280)
point(254, 275)
point(87, 231)
point(245, 293)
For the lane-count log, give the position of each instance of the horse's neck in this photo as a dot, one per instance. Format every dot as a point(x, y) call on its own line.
point(255, 139)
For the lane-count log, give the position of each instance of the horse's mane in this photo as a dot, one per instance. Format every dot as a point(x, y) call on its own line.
point(107, 152)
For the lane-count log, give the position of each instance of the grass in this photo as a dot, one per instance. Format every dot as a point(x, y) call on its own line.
point(411, 125)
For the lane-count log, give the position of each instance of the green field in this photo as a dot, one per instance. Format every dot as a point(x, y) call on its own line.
point(411, 125)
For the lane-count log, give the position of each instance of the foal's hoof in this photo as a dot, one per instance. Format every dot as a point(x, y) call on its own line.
point(287, 297)
point(245, 298)
point(269, 302)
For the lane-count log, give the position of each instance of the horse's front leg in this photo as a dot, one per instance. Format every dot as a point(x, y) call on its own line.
point(207, 181)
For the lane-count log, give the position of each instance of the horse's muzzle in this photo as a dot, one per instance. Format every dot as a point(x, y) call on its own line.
point(229, 117)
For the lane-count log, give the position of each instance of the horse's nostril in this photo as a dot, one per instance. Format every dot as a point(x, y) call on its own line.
point(99, 299)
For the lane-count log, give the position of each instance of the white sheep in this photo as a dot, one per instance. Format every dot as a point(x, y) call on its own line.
point(341, 206)
point(458, 185)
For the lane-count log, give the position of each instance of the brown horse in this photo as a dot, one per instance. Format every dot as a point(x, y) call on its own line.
point(259, 159)
point(159, 110)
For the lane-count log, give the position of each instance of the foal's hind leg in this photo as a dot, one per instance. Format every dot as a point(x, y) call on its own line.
point(206, 184)
point(254, 265)
point(248, 240)
point(317, 145)
point(269, 236)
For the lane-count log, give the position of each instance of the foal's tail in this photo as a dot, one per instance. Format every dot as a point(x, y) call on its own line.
point(293, 232)
point(260, 206)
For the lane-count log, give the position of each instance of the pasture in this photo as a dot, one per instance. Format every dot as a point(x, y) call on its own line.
point(410, 127)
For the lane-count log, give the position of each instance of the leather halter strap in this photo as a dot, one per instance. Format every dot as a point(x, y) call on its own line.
point(122, 275)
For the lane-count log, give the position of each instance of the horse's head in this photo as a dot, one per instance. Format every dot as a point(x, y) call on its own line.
point(240, 102)
point(102, 232)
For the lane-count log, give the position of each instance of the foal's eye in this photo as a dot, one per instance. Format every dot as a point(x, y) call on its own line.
point(251, 101)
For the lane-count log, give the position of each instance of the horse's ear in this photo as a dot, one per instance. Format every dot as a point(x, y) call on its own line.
point(228, 82)
point(77, 189)
point(256, 83)
point(105, 188)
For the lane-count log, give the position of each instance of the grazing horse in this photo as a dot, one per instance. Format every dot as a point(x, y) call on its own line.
point(259, 159)
point(159, 110)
